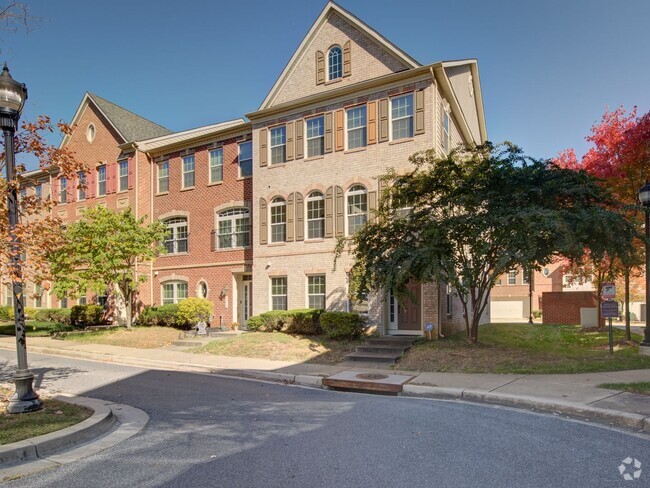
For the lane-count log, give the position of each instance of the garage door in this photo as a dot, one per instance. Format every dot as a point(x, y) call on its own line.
point(508, 309)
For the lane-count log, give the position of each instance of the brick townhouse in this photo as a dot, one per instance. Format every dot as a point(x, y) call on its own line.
point(348, 105)
point(255, 209)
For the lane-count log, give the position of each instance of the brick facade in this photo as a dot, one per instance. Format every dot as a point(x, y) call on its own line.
point(564, 307)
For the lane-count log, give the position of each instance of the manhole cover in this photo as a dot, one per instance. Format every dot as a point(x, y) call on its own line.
point(372, 376)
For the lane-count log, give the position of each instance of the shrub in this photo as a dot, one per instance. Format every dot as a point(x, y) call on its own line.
point(85, 315)
point(537, 313)
point(342, 325)
point(60, 315)
point(305, 322)
point(191, 311)
point(6, 312)
point(163, 316)
point(30, 313)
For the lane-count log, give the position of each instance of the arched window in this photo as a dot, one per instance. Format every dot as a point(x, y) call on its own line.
point(278, 220)
point(357, 208)
point(334, 63)
point(315, 215)
point(234, 228)
point(177, 238)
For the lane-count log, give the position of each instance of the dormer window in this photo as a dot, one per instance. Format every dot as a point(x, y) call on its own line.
point(334, 63)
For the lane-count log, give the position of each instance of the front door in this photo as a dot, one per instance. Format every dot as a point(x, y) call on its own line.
point(245, 301)
point(408, 312)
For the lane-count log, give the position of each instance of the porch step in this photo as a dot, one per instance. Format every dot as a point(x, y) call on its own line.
point(386, 349)
point(400, 341)
point(375, 357)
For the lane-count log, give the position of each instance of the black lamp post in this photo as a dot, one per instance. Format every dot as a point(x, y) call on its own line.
point(12, 101)
point(644, 198)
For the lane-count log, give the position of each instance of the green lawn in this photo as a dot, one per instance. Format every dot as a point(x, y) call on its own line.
point(523, 348)
point(55, 415)
point(34, 328)
point(641, 387)
point(138, 337)
point(280, 347)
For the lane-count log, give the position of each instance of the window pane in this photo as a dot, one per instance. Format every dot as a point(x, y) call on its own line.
point(315, 217)
point(225, 234)
point(315, 137)
point(278, 221)
point(278, 145)
point(402, 117)
point(216, 165)
point(245, 159)
point(181, 291)
point(357, 209)
point(163, 177)
point(279, 293)
point(188, 171)
point(81, 192)
point(334, 62)
point(101, 181)
point(124, 176)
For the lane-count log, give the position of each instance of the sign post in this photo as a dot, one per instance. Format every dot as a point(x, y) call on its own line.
point(608, 310)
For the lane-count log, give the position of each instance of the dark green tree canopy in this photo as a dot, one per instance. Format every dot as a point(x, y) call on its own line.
point(483, 210)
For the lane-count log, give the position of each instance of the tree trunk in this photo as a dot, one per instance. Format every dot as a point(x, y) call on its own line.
point(628, 332)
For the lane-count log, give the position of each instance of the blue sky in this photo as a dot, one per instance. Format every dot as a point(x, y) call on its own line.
point(548, 68)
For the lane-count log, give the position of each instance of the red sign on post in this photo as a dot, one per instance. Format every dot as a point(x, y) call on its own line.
point(609, 290)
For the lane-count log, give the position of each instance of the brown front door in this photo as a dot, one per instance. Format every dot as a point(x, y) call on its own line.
point(408, 314)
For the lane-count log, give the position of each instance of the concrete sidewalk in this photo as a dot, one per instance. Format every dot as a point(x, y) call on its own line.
point(574, 394)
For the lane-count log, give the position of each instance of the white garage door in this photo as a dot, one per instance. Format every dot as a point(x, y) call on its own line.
point(508, 309)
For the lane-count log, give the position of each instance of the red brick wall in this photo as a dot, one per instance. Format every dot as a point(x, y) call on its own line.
point(564, 307)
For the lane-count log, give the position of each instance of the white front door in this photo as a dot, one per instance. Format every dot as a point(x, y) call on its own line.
point(245, 301)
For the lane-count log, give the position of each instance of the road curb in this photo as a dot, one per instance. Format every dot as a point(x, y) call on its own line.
point(612, 417)
point(101, 421)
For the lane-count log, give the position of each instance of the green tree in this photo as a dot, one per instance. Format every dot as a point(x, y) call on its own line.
point(467, 218)
point(102, 250)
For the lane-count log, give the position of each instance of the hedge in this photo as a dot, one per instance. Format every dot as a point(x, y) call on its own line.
point(85, 315)
point(162, 316)
point(342, 326)
point(300, 321)
point(60, 315)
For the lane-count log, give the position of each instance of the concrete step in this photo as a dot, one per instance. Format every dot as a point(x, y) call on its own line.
point(377, 357)
point(391, 341)
point(386, 349)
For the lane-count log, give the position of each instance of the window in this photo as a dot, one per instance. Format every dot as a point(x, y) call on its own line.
point(357, 304)
point(64, 302)
point(163, 177)
point(316, 291)
point(315, 137)
point(188, 171)
point(279, 293)
point(402, 117)
point(38, 192)
point(82, 300)
point(174, 292)
point(498, 281)
point(445, 131)
point(9, 296)
point(177, 239)
point(278, 220)
point(38, 296)
point(525, 277)
point(202, 290)
point(245, 159)
point(81, 191)
point(63, 190)
point(23, 194)
point(357, 208)
point(234, 228)
point(278, 145)
point(512, 277)
point(123, 181)
point(334, 63)
point(216, 165)
point(90, 133)
point(315, 215)
point(357, 127)
point(101, 181)
point(449, 299)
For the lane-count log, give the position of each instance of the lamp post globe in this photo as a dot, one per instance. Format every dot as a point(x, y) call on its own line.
point(12, 101)
point(644, 198)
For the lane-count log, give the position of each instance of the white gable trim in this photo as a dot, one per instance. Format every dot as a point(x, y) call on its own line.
point(330, 8)
point(79, 113)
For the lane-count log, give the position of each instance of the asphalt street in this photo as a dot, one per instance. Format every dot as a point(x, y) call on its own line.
point(211, 431)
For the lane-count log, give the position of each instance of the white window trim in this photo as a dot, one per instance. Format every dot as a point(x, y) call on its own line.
point(284, 144)
point(187, 172)
point(286, 293)
point(324, 294)
point(412, 116)
point(347, 129)
point(307, 139)
point(311, 198)
point(83, 181)
point(328, 71)
point(175, 285)
point(239, 160)
point(213, 166)
point(349, 193)
point(166, 162)
point(100, 181)
point(63, 190)
point(244, 213)
point(174, 227)
point(508, 278)
point(277, 202)
point(119, 175)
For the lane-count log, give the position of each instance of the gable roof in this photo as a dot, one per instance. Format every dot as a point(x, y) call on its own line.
point(129, 126)
point(364, 28)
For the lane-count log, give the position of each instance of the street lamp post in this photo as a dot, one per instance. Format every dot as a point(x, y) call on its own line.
point(644, 198)
point(12, 101)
